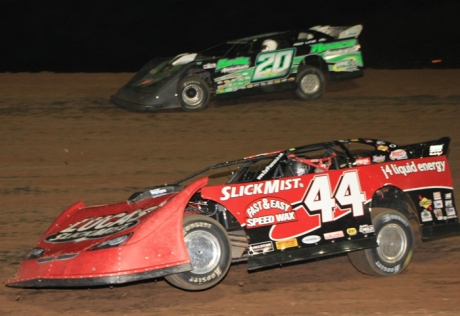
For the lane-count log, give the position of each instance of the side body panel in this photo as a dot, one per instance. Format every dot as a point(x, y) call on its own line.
point(315, 215)
point(258, 69)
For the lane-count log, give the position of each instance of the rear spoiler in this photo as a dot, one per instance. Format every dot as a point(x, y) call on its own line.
point(339, 32)
point(431, 148)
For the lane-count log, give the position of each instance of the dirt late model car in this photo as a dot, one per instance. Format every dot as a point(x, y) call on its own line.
point(353, 196)
point(296, 60)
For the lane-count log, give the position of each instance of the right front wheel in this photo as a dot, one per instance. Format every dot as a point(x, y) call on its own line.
point(310, 83)
point(396, 245)
point(209, 249)
point(193, 93)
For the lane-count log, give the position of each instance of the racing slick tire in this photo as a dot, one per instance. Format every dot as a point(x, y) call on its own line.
point(209, 249)
point(310, 83)
point(396, 245)
point(193, 93)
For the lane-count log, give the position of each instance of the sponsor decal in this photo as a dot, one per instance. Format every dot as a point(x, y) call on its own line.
point(197, 224)
point(438, 204)
point(312, 239)
point(334, 235)
point(259, 248)
point(438, 213)
point(393, 145)
point(270, 166)
point(451, 212)
point(351, 231)
point(321, 47)
point(217, 272)
point(448, 196)
point(158, 191)
point(209, 66)
point(395, 269)
point(380, 142)
point(265, 188)
point(378, 159)
point(234, 68)
point(398, 154)
point(92, 228)
point(284, 244)
point(366, 229)
point(426, 216)
point(227, 63)
point(448, 203)
point(341, 51)
point(436, 150)
point(269, 211)
point(346, 64)
point(411, 167)
point(382, 148)
point(363, 161)
point(437, 196)
point(425, 203)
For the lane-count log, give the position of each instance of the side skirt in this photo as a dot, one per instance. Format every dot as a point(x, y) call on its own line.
point(301, 254)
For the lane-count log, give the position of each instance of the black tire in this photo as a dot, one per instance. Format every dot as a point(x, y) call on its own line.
point(193, 93)
point(310, 83)
point(210, 254)
point(396, 245)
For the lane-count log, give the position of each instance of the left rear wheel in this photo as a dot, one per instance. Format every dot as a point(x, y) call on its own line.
point(209, 249)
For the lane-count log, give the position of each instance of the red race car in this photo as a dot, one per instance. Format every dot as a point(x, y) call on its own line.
point(353, 196)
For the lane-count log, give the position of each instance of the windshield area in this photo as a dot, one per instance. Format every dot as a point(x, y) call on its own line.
point(158, 70)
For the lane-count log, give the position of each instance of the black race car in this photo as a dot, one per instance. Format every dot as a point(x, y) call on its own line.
point(293, 60)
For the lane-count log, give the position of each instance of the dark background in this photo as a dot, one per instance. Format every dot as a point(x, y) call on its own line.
point(122, 35)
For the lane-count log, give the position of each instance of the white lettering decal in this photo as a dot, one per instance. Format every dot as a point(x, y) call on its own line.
point(266, 187)
point(394, 169)
point(90, 228)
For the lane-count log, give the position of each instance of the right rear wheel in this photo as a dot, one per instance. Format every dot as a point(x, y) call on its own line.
point(396, 245)
point(310, 83)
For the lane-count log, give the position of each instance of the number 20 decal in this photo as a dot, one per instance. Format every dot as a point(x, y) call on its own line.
point(271, 65)
point(320, 198)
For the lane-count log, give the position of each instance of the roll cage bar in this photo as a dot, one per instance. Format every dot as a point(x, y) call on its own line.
point(327, 146)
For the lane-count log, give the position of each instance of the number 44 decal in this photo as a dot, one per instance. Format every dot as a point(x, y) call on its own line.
point(347, 198)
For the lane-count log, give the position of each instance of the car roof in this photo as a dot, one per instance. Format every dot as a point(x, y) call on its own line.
point(293, 150)
point(254, 37)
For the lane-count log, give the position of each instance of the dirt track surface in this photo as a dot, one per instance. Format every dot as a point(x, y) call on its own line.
point(62, 141)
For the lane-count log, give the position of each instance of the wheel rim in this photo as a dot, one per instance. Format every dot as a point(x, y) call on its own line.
point(192, 95)
point(392, 243)
point(310, 84)
point(204, 251)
